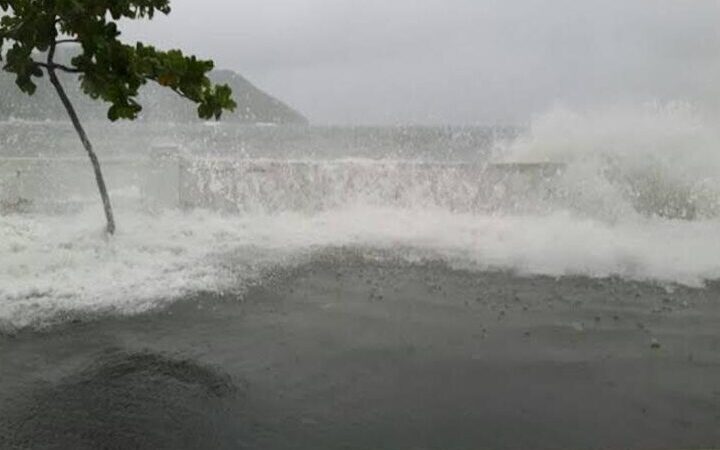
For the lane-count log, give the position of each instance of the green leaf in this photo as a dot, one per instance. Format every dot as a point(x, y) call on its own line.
point(110, 70)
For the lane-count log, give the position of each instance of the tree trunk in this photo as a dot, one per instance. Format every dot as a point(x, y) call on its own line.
point(88, 147)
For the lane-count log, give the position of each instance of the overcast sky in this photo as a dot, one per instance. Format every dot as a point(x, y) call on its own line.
point(453, 61)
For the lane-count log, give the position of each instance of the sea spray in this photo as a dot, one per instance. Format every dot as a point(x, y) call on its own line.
point(627, 193)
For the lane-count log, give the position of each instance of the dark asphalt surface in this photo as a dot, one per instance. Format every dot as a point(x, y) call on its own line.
point(347, 354)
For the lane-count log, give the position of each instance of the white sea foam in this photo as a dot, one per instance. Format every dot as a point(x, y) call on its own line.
point(616, 210)
point(652, 157)
point(59, 264)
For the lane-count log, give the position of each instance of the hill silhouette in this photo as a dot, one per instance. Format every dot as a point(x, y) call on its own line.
point(159, 104)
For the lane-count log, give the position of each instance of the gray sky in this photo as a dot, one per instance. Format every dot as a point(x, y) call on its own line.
point(453, 61)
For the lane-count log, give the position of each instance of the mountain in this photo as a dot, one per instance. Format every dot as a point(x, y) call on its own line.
point(159, 104)
point(253, 105)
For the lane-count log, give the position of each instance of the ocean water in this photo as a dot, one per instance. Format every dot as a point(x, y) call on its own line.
point(631, 192)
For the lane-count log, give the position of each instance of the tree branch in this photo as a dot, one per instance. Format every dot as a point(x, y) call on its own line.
point(56, 66)
point(175, 90)
point(67, 41)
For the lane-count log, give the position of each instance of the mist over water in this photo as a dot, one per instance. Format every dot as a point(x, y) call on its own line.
point(631, 192)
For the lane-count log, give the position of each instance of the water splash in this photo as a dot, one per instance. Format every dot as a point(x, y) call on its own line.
point(628, 192)
point(654, 160)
